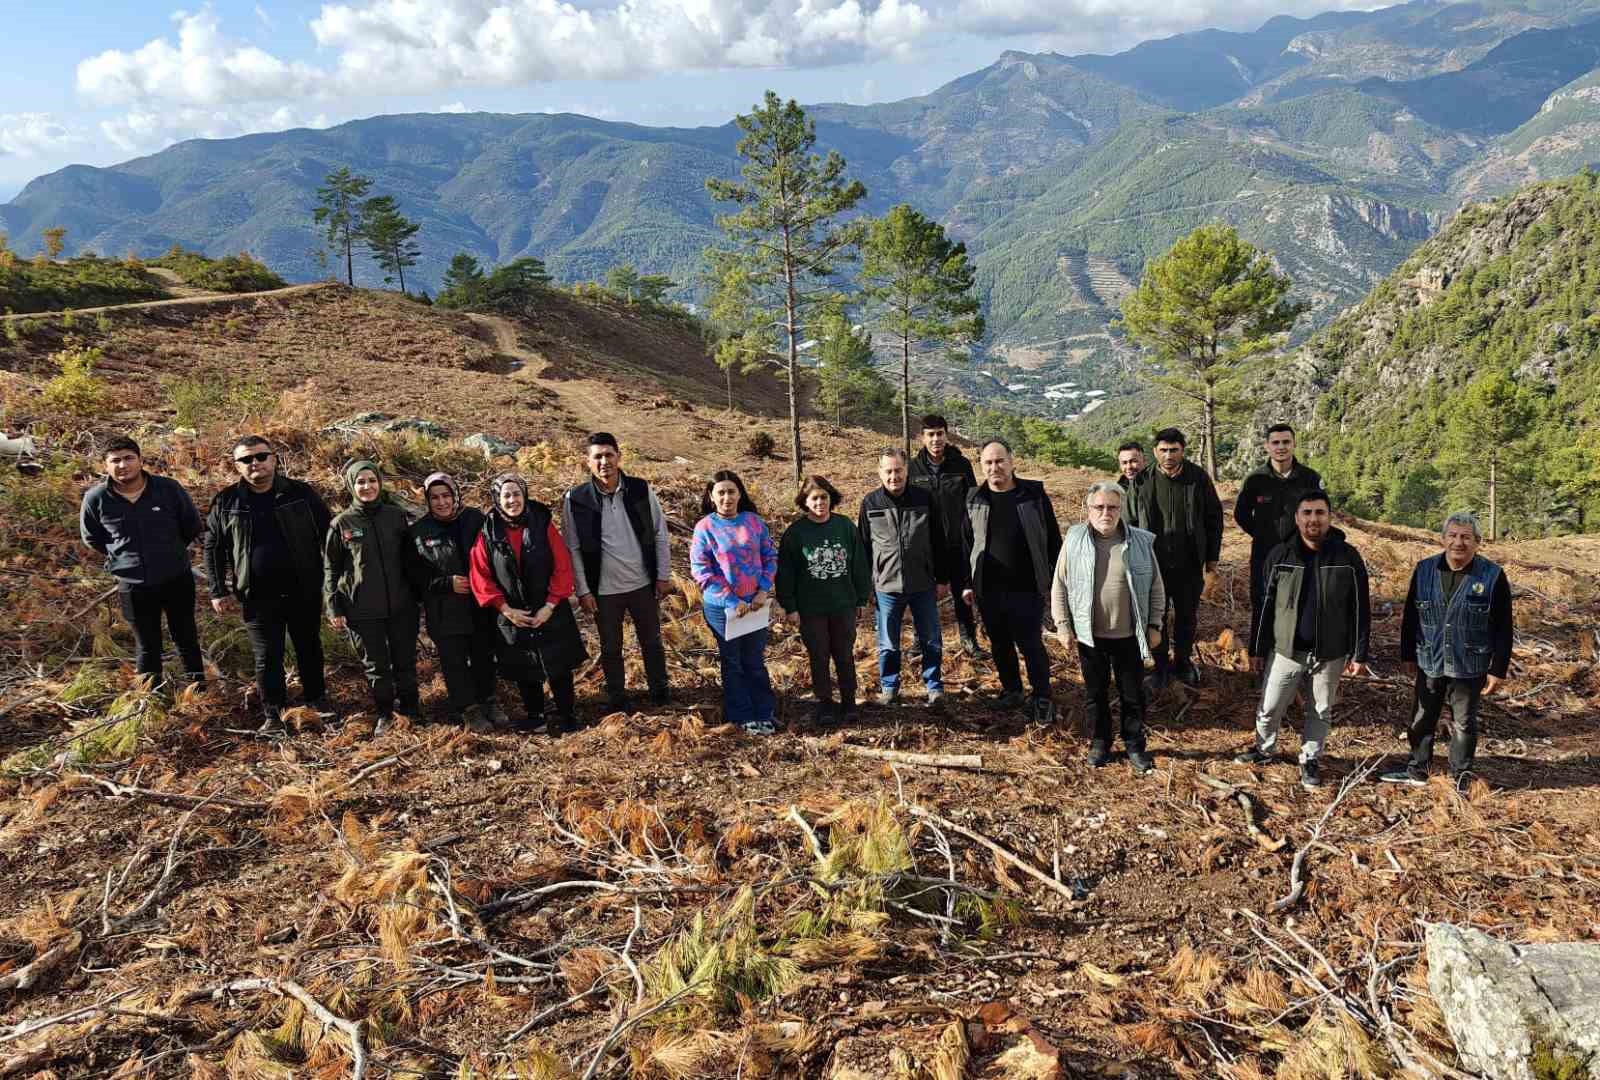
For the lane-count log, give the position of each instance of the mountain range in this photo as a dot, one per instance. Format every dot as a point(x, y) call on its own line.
point(1339, 142)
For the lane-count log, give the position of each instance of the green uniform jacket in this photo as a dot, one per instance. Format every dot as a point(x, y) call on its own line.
point(363, 564)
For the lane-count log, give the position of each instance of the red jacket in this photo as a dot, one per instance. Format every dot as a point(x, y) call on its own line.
point(487, 591)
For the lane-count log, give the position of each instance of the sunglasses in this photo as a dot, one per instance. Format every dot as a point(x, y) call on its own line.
point(252, 458)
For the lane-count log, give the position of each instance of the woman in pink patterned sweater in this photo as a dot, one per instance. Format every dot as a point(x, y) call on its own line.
point(734, 561)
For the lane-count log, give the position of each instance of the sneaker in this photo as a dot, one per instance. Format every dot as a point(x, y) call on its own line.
point(935, 699)
point(759, 727)
point(619, 704)
point(1189, 675)
point(1414, 775)
point(889, 697)
point(970, 646)
point(1010, 699)
point(1310, 775)
point(1041, 711)
point(661, 698)
point(382, 724)
point(1141, 761)
point(495, 714)
point(323, 708)
point(271, 723)
point(1253, 756)
point(412, 708)
point(477, 722)
point(822, 716)
point(1099, 755)
point(1462, 777)
point(852, 713)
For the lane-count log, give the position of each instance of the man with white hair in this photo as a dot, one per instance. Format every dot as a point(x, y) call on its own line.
point(1108, 593)
point(1455, 640)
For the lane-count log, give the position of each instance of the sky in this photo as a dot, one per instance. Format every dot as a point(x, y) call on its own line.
point(102, 83)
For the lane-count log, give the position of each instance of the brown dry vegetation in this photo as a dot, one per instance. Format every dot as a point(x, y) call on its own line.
point(660, 896)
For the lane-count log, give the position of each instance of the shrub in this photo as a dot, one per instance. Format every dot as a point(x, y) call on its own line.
point(76, 392)
point(761, 445)
point(200, 398)
point(230, 274)
point(69, 318)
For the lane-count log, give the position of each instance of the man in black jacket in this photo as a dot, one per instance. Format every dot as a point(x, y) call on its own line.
point(1178, 502)
point(947, 475)
point(903, 533)
point(143, 525)
point(1131, 470)
point(1011, 540)
point(263, 551)
point(1455, 640)
point(1266, 502)
point(438, 560)
point(621, 565)
point(1316, 625)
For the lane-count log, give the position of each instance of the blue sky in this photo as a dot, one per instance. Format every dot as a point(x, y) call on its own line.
point(102, 83)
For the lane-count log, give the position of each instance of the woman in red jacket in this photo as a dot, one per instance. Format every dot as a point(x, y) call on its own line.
point(520, 568)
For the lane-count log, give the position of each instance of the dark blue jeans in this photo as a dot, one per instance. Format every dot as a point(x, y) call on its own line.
point(746, 688)
point(891, 615)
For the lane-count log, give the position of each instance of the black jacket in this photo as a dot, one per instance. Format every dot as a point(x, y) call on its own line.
point(302, 519)
point(1194, 537)
point(436, 551)
point(147, 542)
point(955, 479)
point(583, 503)
point(905, 541)
point(529, 655)
point(1039, 525)
point(1344, 605)
point(1266, 502)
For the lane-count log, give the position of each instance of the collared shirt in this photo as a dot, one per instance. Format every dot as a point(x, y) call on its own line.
point(622, 568)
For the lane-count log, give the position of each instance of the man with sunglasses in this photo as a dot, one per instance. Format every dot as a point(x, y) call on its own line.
point(264, 547)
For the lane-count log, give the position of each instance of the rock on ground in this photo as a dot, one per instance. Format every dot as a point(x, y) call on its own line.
point(1505, 1003)
point(490, 445)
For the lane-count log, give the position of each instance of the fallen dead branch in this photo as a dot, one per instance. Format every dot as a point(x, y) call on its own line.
point(29, 973)
point(350, 1029)
point(168, 798)
point(1297, 882)
point(978, 838)
point(108, 924)
point(972, 762)
point(1248, 805)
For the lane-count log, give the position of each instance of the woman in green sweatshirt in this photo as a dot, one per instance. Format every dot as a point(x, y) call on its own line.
point(366, 591)
point(823, 577)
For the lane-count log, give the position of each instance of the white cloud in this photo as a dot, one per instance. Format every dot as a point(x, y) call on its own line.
point(34, 134)
point(454, 107)
point(144, 131)
point(420, 46)
point(203, 68)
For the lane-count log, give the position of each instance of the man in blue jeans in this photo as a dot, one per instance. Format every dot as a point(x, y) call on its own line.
point(911, 566)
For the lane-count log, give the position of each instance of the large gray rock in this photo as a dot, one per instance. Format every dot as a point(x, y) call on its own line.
point(385, 423)
point(1505, 1002)
point(491, 445)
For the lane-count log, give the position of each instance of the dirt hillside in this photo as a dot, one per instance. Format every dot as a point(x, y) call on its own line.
point(659, 895)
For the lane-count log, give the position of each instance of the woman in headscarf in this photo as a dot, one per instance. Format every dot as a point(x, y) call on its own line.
point(521, 569)
point(438, 558)
point(365, 588)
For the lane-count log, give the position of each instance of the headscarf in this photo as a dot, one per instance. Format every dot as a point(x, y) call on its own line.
point(448, 481)
point(494, 494)
point(354, 469)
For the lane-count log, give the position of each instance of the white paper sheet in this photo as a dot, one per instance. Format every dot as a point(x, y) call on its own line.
point(740, 625)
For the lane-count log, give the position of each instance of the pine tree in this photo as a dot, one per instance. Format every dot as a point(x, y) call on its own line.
point(464, 283)
point(338, 210)
point(1203, 309)
point(849, 386)
point(653, 288)
point(390, 237)
point(55, 240)
point(1484, 430)
point(624, 281)
point(787, 240)
point(919, 284)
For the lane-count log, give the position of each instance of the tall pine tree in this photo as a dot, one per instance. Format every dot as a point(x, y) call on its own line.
point(1203, 310)
point(390, 236)
point(787, 242)
point(339, 211)
point(919, 285)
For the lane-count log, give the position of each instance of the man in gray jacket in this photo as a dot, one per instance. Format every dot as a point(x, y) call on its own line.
point(1108, 594)
point(903, 533)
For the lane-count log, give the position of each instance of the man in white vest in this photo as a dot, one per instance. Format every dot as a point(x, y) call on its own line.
point(1108, 594)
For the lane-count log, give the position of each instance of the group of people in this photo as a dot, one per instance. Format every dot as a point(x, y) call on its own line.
point(1122, 587)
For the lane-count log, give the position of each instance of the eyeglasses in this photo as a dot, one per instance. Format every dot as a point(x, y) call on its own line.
point(1106, 509)
point(253, 458)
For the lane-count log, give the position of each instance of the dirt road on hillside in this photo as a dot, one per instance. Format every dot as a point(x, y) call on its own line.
point(200, 299)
